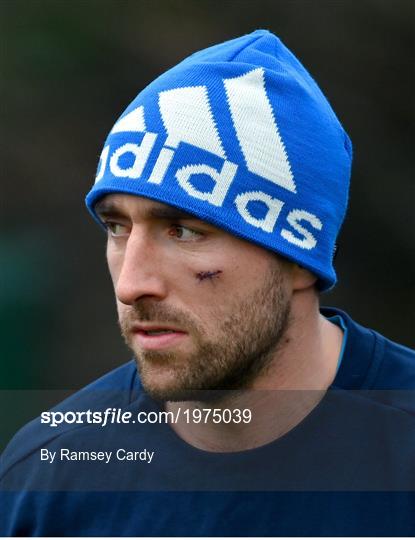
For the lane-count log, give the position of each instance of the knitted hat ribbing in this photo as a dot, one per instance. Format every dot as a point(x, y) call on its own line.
point(241, 136)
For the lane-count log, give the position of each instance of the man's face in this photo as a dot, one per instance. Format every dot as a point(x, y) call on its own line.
point(201, 309)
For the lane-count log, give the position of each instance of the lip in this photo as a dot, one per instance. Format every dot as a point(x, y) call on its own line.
point(158, 341)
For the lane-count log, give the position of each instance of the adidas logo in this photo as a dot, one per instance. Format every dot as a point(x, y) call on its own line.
point(187, 117)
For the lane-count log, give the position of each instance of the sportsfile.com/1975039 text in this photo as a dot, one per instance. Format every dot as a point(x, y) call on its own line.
point(113, 415)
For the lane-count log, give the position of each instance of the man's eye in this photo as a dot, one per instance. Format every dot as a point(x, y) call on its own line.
point(116, 229)
point(183, 233)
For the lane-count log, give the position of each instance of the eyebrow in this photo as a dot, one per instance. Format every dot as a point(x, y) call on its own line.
point(107, 209)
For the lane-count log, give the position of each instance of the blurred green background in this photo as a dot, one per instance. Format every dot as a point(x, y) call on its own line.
point(69, 68)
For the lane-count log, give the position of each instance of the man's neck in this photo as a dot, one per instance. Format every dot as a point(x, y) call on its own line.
point(295, 381)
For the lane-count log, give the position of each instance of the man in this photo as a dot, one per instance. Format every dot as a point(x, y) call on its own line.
point(247, 410)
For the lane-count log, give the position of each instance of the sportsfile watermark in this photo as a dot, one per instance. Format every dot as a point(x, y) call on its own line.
point(277, 441)
point(113, 415)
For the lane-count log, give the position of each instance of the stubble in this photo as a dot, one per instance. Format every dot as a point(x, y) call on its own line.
point(245, 343)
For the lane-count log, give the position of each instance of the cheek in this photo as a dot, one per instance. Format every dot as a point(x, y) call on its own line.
point(123, 311)
point(114, 262)
point(121, 308)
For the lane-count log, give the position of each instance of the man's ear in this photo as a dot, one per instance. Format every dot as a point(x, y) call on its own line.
point(302, 278)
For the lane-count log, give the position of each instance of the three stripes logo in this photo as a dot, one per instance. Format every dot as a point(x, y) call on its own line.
point(187, 117)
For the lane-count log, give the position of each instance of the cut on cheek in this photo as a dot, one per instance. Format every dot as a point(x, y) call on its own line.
point(201, 276)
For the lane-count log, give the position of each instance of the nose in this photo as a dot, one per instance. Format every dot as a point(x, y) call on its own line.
point(138, 269)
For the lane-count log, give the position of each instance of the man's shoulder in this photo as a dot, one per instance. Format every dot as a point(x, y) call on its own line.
point(393, 379)
point(397, 368)
point(375, 367)
point(371, 360)
point(115, 389)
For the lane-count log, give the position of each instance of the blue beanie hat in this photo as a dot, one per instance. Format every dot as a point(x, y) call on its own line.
point(240, 136)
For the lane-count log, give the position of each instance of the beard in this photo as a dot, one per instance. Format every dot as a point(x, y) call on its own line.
point(243, 346)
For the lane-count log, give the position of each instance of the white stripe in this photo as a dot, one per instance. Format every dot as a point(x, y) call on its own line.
point(133, 121)
point(256, 128)
point(188, 118)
